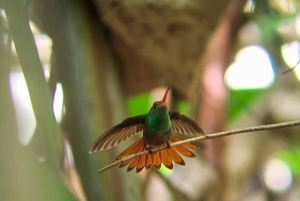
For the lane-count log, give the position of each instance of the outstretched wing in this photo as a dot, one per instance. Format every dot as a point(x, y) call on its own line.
point(184, 125)
point(122, 131)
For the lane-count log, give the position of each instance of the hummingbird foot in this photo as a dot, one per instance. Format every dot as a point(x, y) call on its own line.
point(150, 150)
point(168, 145)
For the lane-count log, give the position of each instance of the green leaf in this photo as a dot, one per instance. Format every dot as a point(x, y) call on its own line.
point(139, 104)
point(292, 158)
point(240, 100)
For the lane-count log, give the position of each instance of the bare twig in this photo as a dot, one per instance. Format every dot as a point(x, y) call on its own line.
point(285, 72)
point(209, 136)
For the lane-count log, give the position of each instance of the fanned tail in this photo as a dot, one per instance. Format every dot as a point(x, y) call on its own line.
point(165, 156)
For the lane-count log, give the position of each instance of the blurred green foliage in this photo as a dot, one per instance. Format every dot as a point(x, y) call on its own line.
point(139, 104)
point(292, 158)
point(240, 101)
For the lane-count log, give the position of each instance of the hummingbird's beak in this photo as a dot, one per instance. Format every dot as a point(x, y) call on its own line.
point(164, 100)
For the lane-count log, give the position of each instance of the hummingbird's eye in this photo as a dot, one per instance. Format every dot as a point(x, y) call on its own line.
point(155, 105)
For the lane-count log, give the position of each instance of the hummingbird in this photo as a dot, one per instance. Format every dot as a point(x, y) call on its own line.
point(160, 127)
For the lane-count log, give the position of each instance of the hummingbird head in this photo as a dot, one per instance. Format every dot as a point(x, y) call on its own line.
point(162, 103)
point(158, 119)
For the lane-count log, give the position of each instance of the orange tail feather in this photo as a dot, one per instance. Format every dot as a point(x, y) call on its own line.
point(165, 156)
point(141, 164)
point(149, 161)
point(175, 157)
point(135, 161)
point(165, 159)
point(183, 151)
point(131, 150)
point(156, 160)
point(186, 145)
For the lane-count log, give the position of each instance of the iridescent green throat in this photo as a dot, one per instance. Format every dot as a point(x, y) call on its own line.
point(158, 119)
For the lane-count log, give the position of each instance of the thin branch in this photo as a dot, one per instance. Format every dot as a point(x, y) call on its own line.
point(209, 136)
point(285, 72)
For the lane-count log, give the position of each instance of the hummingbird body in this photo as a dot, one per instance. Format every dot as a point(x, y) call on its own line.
point(159, 127)
point(157, 130)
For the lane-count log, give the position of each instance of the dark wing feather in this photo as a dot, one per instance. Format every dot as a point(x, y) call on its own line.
point(184, 125)
point(122, 131)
